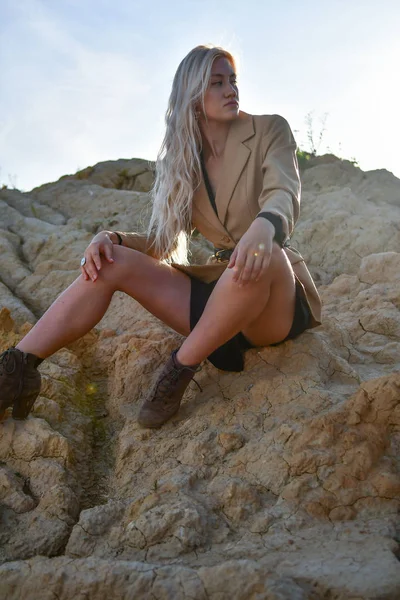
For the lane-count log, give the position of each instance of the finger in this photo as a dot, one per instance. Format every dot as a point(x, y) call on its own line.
point(245, 275)
point(91, 268)
point(264, 266)
point(259, 255)
point(240, 261)
point(247, 268)
point(95, 256)
point(108, 252)
point(253, 265)
point(232, 259)
point(84, 274)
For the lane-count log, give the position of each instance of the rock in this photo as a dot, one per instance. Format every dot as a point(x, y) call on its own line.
point(12, 494)
point(129, 174)
point(281, 482)
point(346, 215)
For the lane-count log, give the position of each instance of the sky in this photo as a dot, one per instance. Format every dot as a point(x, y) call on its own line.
point(84, 81)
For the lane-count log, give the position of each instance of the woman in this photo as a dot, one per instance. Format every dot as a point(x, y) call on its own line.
point(232, 176)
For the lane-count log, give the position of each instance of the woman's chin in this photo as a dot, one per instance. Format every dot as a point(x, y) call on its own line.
point(230, 114)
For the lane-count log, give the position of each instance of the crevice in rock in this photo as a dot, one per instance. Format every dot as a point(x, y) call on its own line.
point(95, 484)
point(396, 538)
point(26, 488)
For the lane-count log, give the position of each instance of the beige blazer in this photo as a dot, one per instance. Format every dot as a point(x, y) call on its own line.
point(259, 173)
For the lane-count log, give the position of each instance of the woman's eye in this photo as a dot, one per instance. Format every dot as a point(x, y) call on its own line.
point(232, 81)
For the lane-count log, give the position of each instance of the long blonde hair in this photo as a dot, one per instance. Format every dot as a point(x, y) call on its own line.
point(178, 167)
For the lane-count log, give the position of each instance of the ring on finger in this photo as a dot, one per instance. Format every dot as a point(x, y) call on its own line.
point(260, 250)
point(83, 261)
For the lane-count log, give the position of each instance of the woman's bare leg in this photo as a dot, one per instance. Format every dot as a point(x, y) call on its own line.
point(263, 311)
point(161, 289)
point(269, 303)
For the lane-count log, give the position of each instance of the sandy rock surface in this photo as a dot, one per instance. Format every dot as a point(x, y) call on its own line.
point(279, 483)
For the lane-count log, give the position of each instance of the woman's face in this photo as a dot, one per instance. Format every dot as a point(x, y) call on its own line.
point(221, 100)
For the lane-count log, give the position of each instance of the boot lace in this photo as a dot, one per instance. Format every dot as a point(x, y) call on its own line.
point(163, 388)
point(8, 364)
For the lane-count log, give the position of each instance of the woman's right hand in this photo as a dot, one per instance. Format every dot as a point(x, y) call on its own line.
point(100, 245)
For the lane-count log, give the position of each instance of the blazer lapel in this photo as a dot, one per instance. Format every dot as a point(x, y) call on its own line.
point(202, 205)
point(236, 155)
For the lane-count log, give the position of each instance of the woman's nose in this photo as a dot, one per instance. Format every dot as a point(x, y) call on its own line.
point(231, 91)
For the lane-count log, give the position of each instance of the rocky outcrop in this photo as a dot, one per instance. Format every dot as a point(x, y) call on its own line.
point(281, 482)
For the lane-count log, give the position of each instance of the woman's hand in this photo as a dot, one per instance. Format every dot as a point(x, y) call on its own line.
point(101, 244)
point(251, 257)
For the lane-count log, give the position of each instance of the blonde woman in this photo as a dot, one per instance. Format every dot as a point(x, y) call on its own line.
point(232, 176)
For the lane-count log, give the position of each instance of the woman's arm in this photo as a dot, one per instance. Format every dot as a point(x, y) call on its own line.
point(279, 204)
point(137, 241)
point(281, 191)
point(145, 244)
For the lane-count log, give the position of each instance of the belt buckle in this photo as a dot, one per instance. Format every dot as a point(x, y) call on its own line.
point(222, 254)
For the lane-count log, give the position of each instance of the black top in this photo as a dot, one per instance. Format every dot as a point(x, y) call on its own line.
point(208, 184)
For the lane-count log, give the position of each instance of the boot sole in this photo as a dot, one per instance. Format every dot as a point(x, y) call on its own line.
point(150, 425)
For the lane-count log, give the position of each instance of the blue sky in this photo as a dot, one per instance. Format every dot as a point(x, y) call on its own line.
point(88, 80)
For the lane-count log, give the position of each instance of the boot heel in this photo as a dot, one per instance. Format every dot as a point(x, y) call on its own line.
point(24, 404)
point(22, 409)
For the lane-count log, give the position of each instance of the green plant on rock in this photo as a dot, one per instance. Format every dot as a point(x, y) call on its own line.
point(311, 135)
point(303, 158)
point(84, 173)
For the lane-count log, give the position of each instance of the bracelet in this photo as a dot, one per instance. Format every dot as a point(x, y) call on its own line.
point(280, 235)
point(119, 237)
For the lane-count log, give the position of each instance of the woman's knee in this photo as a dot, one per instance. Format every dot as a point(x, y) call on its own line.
point(278, 264)
point(126, 263)
point(112, 273)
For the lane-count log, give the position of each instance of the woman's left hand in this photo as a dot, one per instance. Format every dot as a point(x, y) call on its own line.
point(251, 257)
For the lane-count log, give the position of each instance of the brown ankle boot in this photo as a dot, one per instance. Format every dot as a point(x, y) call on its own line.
point(19, 382)
point(166, 397)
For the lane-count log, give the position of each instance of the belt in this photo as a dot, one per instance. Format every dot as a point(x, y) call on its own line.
point(222, 254)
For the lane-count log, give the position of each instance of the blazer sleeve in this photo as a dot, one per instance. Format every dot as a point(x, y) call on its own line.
point(142, 243)
point(281, 189)
point(139, 242)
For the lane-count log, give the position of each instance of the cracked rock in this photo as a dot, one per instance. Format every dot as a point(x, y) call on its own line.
point(278, 483)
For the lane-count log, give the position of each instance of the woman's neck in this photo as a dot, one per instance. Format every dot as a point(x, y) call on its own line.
point(214, 135)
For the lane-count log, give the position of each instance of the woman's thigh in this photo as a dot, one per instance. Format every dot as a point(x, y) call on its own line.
point(275, 320)
point(161, 289)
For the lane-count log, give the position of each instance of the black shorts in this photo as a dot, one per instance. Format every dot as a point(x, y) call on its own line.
point(229, 356)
